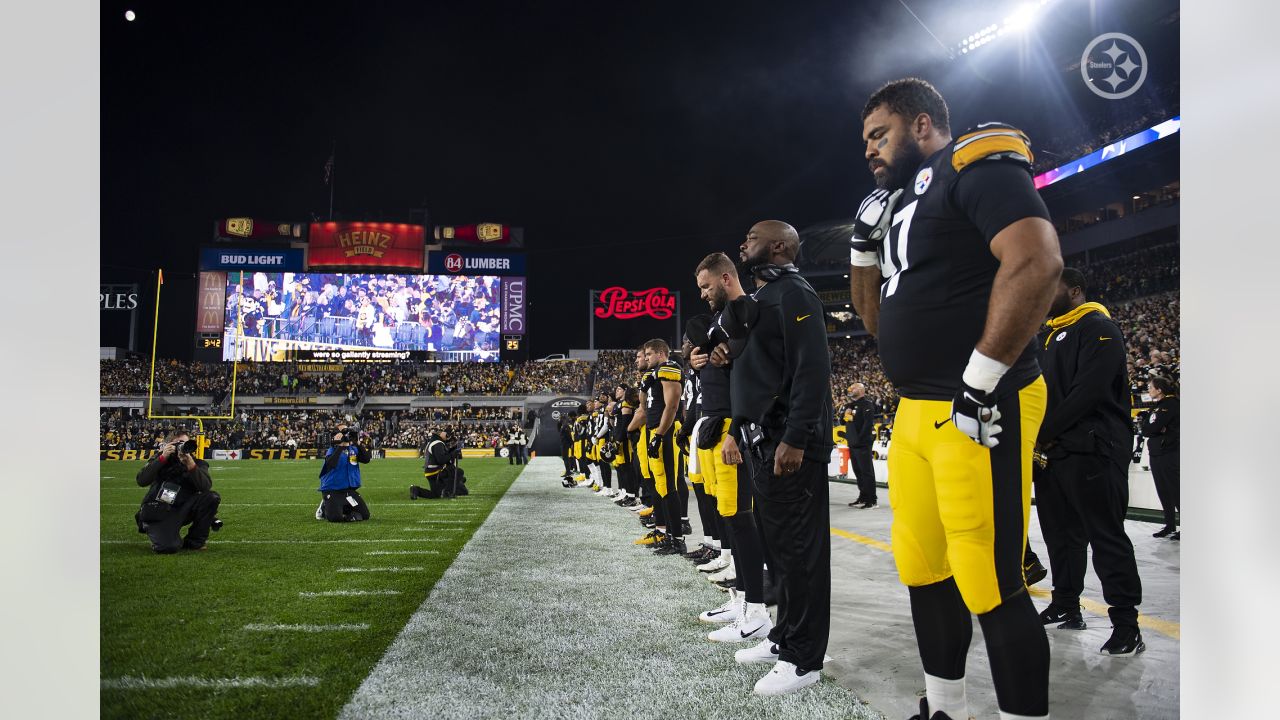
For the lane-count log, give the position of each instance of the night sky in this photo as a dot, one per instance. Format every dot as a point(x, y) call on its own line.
point(628, 140)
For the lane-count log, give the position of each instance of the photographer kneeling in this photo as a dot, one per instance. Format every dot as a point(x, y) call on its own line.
point(440, 469)
point(340, 478)
point(180, 493)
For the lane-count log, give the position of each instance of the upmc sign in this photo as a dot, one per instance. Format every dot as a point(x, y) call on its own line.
point(623, 304)
point(513, 300)
point(447, 263)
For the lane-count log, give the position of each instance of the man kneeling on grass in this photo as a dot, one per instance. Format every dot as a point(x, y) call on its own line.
point(340, 479)
point(440, 469)
point(180, 492)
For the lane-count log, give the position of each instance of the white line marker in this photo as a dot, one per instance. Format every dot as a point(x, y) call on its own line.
point(145, 683)
point(414, 529)
point(445, 522)
point(347, 593)
point(261, 627)
point(380, 569)
point(403, 552)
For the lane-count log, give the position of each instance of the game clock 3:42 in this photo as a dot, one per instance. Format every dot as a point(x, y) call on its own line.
point(208, 342)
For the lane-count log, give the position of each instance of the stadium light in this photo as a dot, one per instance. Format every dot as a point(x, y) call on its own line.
point(1022, 18)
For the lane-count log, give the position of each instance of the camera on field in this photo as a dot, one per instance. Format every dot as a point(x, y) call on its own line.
point(186, 448)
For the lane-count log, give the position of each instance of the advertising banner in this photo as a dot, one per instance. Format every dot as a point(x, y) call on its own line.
point(452, 263)
point(622, 304)
point(228, 454)
point(366, 244)
point(259, 454)
point(117, 315)
point(214, 258)
point(257, 229)
point(211, 298)
point(481, 234)
point(514, 317)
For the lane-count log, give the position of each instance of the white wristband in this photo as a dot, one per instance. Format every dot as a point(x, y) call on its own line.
point(864, 259)
point(983, 373)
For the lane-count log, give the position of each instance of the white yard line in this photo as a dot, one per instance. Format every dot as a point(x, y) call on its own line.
point(380, 569)
point(347, 593)
point(265, 627)
point(403, 552)
point(416, 529)
point(445, 522)
point(146, 683)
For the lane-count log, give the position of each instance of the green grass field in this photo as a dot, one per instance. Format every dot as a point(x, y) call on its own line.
point(197, 634)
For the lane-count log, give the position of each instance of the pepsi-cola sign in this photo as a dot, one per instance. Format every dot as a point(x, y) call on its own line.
point(617, 302)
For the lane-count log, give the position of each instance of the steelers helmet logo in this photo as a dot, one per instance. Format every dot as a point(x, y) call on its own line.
point(1114, 66)
point(923, 178)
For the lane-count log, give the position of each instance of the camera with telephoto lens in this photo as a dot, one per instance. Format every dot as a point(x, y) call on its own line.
point(186, 448)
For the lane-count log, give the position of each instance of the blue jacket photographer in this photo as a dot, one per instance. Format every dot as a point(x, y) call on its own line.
point(179, 493)
point(340, 479)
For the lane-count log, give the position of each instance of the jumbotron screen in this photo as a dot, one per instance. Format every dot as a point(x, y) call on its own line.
point(455, 318)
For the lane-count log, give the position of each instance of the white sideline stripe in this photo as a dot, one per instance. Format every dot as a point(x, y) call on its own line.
point(414, 529)
point(145, 683)
point(403, 552)
point(263, 627)
point(347, 593)
point(296, 542)
point(443, 522)
point(380, 569)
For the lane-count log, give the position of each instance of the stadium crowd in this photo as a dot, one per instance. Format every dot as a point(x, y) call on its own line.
point(551, 377)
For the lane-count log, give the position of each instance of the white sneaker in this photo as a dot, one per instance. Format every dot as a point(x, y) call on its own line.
point(765, 652)
point(638, 507)
point(785, 678)
point(585, 482)
point(753, 623)
point(726, 613)
point(726, 575)
point(718, 564)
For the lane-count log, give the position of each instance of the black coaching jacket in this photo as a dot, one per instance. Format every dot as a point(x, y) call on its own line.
point(1084, 362)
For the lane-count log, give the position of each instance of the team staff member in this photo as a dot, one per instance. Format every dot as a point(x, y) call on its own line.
point(954, 262)
point(780, 392)
point(721, 463)
point(179, 492)
point(858, 434)
point(440, 470)
point(626, 399)
point(1161, 426)
point(661, 403)
point(1082, 495)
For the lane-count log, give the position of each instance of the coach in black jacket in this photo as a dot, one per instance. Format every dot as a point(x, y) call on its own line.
point(858, 434)
point(1161, 427)
point(780, 393)
point(1083, 493)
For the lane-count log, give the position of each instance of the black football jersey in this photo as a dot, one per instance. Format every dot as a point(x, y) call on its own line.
point(937, 264)
point(654, 402)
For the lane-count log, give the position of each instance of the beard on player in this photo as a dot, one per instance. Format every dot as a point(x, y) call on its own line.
point(899, 165)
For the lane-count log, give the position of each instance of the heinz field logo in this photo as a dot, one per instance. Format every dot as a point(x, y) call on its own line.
point(657, 303)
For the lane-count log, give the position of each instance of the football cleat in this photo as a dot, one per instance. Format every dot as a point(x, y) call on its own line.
point(765, 652)
point(924, 712)
point(726, 574)
point(646, 512)
point(784, 678)
point(726, 613)
point(673, 546)
point(651, 538)
point(721, 562)
point(753, 623)
point(1034, 572)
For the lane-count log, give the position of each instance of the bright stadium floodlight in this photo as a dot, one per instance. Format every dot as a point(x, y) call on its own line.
point(1022, 18)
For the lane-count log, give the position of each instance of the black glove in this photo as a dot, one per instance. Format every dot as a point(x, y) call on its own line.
point(871, 227)
point(975, 414)
point(682, 441)
point(655, 446)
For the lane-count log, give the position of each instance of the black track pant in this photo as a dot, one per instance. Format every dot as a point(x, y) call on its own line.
point(606, 473)
point(343, 506)
point(162, 523)
point(706, 511)
point(794, 519)
point(864, 471)
point(1165, 470)
point(1081, 501)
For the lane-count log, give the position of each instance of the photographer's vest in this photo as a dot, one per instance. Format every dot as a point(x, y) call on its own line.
point(432, 469)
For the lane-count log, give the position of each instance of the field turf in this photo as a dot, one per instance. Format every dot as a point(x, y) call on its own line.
point(244, 629)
